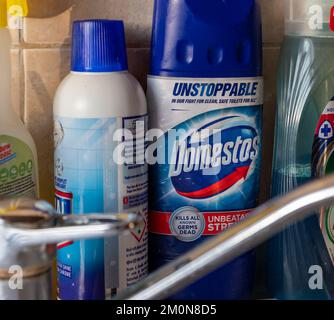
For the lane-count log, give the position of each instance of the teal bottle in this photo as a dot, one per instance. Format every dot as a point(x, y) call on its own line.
point(299, 259)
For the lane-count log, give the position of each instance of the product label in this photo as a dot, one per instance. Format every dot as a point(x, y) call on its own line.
point(323, 164)
point(91, 178)
point(211, 142)
point(18, 176)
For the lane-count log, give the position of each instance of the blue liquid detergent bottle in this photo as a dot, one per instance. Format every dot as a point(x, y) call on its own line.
point(205, 94)
point(299, 260)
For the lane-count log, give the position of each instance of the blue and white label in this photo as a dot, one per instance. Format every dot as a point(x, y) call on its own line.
point(89, 180)
point(212, 141)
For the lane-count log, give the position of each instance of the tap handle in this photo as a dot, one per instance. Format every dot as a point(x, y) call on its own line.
point(75, 227)
point(28, 223)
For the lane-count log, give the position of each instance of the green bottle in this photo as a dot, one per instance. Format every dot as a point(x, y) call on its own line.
point(18, 156)
point(305, 87)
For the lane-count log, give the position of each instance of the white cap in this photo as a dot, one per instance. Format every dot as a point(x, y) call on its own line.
point(309, 18)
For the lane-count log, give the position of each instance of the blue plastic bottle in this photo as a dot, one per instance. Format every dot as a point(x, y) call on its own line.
point(206, 75)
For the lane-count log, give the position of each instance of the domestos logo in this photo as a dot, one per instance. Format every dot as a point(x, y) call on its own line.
point(214, 158)
point(6, 153)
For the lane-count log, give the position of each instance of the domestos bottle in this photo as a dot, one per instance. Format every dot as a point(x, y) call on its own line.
point(205, 97)
point(18, 156)
point(100, 117)
point(303, 149)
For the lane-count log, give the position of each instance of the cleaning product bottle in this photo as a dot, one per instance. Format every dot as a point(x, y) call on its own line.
point(18, 156)
point(303, 127)
point(98, 109)
point(205, 94)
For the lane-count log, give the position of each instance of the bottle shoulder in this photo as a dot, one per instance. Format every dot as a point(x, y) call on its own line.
point(100, 95)
point(20, 132)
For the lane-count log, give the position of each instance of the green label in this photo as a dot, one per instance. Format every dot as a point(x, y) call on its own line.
point(17, 169)
point(329, 215)
point(323, 164)
point(329, 223)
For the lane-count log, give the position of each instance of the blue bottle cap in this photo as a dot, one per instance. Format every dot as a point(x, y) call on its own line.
point(212, 38)
point(99, 46)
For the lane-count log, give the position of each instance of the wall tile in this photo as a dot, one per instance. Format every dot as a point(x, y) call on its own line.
point(16, 37)
point(273, 21)
point(50, 21)
point(43, 71)
point(139, 62)
point(17, 83)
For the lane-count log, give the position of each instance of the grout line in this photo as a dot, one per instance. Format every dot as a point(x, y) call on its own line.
point(271, 46)
point(40, 46)
point(22, 85)
point(23, 77)
point(24, 45)
point(30, 46)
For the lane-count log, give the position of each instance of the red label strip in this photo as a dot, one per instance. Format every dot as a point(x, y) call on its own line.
point(331, 20)
point(215, 222)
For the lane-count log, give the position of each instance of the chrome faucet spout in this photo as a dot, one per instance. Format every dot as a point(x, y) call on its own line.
point(262, 224)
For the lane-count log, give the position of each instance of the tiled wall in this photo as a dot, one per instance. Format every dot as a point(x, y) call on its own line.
point(41, 60)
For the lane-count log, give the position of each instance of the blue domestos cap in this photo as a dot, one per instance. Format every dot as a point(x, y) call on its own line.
point(212, 38)
point(99, 46)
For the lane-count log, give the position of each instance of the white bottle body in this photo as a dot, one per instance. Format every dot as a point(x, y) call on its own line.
point(18, 154)
point(103, 95)
point(88, 109)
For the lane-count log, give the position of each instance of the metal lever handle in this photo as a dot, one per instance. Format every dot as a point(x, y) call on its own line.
point(25, 222)
point(73, 227)
point(263, 223)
